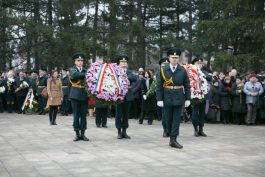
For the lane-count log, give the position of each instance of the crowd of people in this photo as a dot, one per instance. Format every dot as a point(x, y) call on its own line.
point(232, 98)
point(167, 95)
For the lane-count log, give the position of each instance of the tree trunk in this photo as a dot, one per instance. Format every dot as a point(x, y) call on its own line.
point(36, 33)
point(190, 32)
point(3, 37)
point(178, 14)
point(160, 33)
point(130, 42)
point(95, 28)
point(112, 34)
point(140, 53)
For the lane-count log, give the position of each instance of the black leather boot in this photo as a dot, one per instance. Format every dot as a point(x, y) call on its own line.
point(77, 136)
point(196, 132)
point(201, 133)
point(119, 134)
point(124, 134)
point(173, 143)
point(83, 137)
point(165, 134)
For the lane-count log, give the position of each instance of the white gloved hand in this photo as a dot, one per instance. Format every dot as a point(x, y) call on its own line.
point(160, 103)
point(144, 97)
point(187, 103)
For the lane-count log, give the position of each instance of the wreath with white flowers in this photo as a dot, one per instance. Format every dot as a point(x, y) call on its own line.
point(107, 83)
point(198, 83)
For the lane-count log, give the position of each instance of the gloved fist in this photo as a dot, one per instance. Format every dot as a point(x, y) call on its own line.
point(187, 103)
point(144, 97)
point(160, 104)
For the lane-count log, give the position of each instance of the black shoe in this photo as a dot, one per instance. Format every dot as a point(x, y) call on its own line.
point(165, 134)
point(19, 112)
point(140, 121)
point(201, 133)
point(84, 138)
point(150, 123)
point(104, 126)
point(98, 126)
point(40, 113)
point(124, 134)
point(77, 136)
point(119, 134)
point(54, 123)
point(173, 143)
point(196, 133)
point(51, 123)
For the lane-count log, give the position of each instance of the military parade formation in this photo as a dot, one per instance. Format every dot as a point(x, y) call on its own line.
point(175, 93)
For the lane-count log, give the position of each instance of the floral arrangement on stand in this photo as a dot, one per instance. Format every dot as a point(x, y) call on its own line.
point(198, 83)
point(107, 83)
point(29, 103)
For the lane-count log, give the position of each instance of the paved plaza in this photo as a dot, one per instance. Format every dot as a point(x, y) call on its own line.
point(30, 147)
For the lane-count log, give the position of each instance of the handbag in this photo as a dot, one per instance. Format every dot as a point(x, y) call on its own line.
point(44, 93)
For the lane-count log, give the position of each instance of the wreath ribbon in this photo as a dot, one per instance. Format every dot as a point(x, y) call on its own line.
point(101, 75)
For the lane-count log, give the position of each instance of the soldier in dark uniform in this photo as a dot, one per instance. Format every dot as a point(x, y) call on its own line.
point(173, 88)
point(66, 86)
point(198, 109)
point(122, 110)
point(78, 96)
point(41, 84)
point(163, 62)
point(101, 115)
point(33, 81)
point(22, 88)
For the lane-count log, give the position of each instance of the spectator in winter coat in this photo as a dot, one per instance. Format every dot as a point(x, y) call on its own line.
point(214, 98)
point(239, 107)
point(225, 99)
point(253, 89)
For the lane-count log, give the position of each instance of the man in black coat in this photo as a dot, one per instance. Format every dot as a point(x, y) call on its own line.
point(33, 81)
point(137, 95)
point(41, 84)
point(66, 86)
point(22, 88)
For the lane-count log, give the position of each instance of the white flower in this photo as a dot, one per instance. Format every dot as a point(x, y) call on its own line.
point(25, 84)
point(11, 80)
point(2, 89)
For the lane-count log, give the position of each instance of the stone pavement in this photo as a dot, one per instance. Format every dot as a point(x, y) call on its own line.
point(30, 147)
